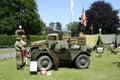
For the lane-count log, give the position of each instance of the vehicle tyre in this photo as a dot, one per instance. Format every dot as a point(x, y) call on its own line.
point(82, 61)
point(44, 62)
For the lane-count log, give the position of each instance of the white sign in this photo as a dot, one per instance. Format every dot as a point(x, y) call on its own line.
point(33, 66)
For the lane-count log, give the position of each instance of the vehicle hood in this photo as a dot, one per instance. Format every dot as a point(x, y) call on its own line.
point(37, 42)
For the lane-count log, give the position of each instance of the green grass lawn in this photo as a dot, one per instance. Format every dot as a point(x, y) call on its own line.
point(104, 68)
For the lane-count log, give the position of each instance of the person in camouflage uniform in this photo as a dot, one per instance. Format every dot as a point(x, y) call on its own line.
point(19, 58)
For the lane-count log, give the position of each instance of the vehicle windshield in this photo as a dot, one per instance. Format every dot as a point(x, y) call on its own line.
point(52, 38)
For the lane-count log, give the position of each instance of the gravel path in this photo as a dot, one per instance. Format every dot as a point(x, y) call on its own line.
point(7, 55)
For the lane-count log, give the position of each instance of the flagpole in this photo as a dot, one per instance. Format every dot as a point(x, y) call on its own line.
point(71, 12)
point(92, 29)
point(70, 22)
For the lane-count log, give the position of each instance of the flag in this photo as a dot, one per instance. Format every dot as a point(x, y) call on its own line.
point(72, 5)
point(83, 21)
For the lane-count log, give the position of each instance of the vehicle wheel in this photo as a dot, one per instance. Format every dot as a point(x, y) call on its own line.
point(44, 62)
point(82, 61)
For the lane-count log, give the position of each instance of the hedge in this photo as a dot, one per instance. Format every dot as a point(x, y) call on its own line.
point(7, 41)
point(32, 38)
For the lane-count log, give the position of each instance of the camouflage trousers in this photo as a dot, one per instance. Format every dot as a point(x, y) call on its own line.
point(19, 58)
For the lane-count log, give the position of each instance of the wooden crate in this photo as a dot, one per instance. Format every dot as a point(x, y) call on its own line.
point(78, 40)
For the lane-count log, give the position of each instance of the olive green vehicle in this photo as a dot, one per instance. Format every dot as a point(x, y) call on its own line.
point(58, 48)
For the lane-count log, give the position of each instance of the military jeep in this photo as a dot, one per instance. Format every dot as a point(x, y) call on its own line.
point(58, 48)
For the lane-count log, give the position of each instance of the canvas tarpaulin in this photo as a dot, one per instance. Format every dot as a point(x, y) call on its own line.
point(118, 39)
point(109, 38)
point(92, 40)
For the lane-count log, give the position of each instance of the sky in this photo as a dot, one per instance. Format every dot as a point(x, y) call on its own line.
point(60, 10)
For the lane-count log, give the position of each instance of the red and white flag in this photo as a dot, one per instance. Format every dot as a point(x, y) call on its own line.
point(83, 21)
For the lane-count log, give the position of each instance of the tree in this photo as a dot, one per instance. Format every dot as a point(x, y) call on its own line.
point(55, 26)
point(52, 25)
point(20, 12)
point(74, 28)
point(101, 15)
point(58, 26)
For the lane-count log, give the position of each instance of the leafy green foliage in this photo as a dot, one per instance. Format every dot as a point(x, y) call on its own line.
point(20, 12)
point(55, 26)
point(58, 26)
point(101, 15)
point(52, 25)
point(74, 28)
point(32, 38)
point(6, 40)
